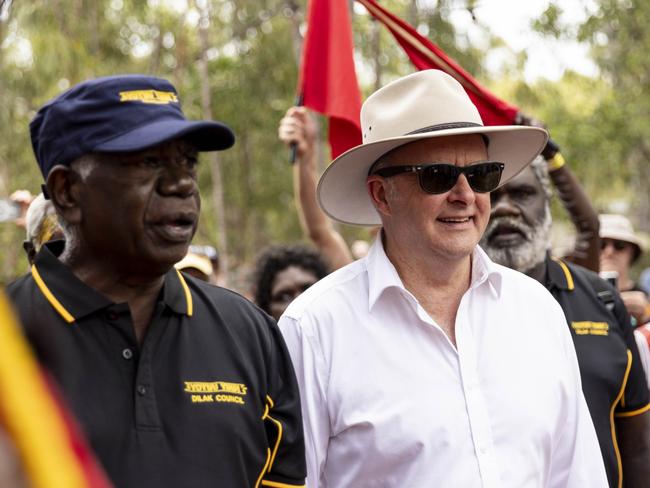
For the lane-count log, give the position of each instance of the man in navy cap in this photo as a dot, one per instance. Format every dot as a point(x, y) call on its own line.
point(175, 382)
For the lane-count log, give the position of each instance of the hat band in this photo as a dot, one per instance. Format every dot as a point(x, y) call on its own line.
point(437, 127)
point(450, 125)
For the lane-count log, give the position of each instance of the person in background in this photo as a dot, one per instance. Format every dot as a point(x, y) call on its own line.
point(23, 198)
point(196, 265)
point(425, 363)
point(620, 249)
point(586, 249)
point(213, 255)
point(41, 226)
point(298, 129)
point(176, 383)
point(284, 272)
point(613, 380)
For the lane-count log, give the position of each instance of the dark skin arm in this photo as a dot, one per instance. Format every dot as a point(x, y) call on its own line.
point(633, 434)
point(586, 251)
point(575, 201)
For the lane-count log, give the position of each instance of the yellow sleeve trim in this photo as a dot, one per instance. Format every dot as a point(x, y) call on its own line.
point(556, 162)
point(268, 458)
point(67, 316)
point(188, 295)
point(619, 463)
point(278, 424)
point(633, 413)
point(276, 484)
point(567, 273)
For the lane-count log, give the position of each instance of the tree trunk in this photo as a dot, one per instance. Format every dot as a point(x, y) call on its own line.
point(413, 14)
point(215, 166)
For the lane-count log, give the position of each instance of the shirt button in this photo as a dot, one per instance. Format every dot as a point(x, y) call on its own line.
point(127, 353)
point(111, 315)
point(142, 391)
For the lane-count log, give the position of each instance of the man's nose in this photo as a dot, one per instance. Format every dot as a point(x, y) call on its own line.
point(177, 180)
point(461, 191)
point(502, 205)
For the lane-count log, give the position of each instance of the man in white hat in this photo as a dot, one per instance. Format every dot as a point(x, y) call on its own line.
point(424, 363)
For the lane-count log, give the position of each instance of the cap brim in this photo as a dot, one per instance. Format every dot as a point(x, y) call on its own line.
point(342, 188)
point(205, 135)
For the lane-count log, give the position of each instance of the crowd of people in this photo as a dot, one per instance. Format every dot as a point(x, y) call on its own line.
point(455, 349)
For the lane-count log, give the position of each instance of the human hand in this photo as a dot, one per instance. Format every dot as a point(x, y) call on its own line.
point(298, 127)
point(23, 198)
point(637, 305)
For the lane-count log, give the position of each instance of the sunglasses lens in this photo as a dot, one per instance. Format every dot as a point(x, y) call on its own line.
point(618, 245)
point(484, 177)
point(438, 178)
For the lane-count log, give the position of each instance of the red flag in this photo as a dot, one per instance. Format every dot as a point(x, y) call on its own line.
point(426, 55)
point(328, 82)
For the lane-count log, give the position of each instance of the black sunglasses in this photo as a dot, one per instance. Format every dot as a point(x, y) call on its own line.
point(437, 178)
point(618, 245)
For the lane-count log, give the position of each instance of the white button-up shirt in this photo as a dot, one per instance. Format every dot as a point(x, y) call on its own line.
point(388, 401)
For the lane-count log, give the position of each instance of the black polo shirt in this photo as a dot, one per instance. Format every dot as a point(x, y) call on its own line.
point(613, 380)
point(209, 399)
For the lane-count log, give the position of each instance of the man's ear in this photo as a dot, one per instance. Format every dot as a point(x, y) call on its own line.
point(29, 250)
point(63, 189)
point(377, 190)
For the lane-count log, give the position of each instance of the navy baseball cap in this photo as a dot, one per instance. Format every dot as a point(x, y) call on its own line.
point(117, 114)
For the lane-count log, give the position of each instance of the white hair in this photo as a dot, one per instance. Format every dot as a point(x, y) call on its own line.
point(37, 212)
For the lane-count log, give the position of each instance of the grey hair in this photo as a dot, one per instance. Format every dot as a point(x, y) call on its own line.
point(540, 168)
point(37, 212)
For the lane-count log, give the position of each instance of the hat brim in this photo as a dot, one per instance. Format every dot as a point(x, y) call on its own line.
point(342, 189)
point(205, 135)
point(622, 236)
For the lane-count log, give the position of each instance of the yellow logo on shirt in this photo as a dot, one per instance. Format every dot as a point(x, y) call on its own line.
point(216, 392)
point(148, 96)
point(590, 328)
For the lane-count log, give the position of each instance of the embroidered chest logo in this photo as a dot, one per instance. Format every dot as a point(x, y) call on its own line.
point(590, 328)
point(216, 392)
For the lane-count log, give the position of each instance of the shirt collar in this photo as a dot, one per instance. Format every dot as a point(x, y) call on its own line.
point(73, 299)
point(558, 274)
point(382, 275)
point(484, 270)
point(381, 272)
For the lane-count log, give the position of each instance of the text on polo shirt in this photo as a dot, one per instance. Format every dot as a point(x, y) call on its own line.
point(590, 328)
point(216, 392)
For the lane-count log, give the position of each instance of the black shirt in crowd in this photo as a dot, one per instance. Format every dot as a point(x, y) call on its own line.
point(208, 399)
point(613, 380)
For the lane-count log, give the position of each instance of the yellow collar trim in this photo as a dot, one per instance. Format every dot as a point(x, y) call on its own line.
point(67, 316)
point(188, 295)
point(567, 273)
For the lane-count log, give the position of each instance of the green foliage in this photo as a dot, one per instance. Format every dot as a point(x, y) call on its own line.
point(47, 46)
point(611, 131)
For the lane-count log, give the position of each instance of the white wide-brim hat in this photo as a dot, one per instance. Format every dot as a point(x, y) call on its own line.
point(422, 105)
point(619, 227)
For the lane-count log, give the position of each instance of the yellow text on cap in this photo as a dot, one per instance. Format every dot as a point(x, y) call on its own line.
point(148, 96)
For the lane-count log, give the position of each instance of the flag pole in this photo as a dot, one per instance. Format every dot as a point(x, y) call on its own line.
point(293, 148)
